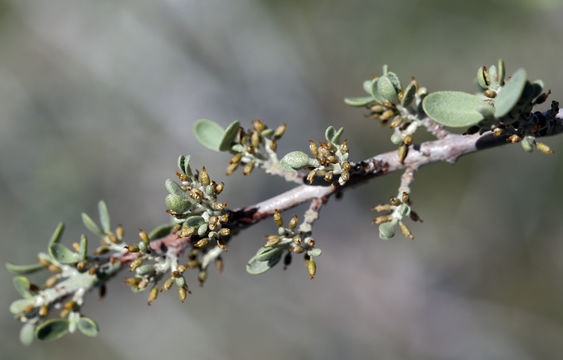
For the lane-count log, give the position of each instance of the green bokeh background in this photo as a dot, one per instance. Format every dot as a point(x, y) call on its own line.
point(97, 99)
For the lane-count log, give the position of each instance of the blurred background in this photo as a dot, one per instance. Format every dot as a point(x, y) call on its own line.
point(97, 100)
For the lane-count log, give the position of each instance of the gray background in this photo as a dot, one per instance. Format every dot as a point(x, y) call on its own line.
point(97, 100)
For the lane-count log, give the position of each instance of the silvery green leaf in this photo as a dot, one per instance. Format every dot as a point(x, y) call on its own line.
point(91, 225)
point(145, 269)
point(52, 329)
point(336, 137)
point(229, 136)
point(358, 101)
point(18, 306)
point(482, 79)
point(368, 86)
point(493, 76)
point(177, 203)
point(396, 139)
point(394, 80)
point(208, 133)
point(314, 252)
point(181, 162)
point(384, 90)
point(453, 108)
point(329, 133)
point(186, 167)
point(487, 110)
point(104, 216)
point(268, 133)
point(510, 93)
point(24, 269)
point(27, 333)
point(387, 230)
point(88, 327)
point(173, 187)
point(62, 254)
point(83, 247)
point(501, 71)
point(409, 94)
point(265, 259)
point(195, 220)
point(22, 285)
point(294, 160)
point(160, 232)
point(57, 234)
point(202, 229)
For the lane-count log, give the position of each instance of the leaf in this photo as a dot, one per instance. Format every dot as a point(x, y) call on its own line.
point(510, 93)
point(27, 333)
point(264, 260)
point(22, 285)
point(195, 220)
point(18, 306)
point(184, 164)
point(314, 252)
point(368, 86)
point(91, 225)
point(329, 133)
point(173, 187)
point(409, 94)
point(57, 234)
point(208, 133)
point(294, 160)
point(229, 136)
point(160, 232)
point(336, 137)
point(482, 79)
point(359, 101)
point(104, 216)
point(88, 327)
point(52, 329)
point(177, 203)
point(24, 269)
point(387, 230)
point(394, 80)
point(384, 90)
point(83, 247)
point(493, 76)
point(453, 108)
point(62, 254)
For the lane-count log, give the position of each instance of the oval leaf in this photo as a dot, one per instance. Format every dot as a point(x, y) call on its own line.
point(51, 329)
point(358, 101)
point(24, 269)
point(409, 94)
point(88, 327)
point(384, 90)
point(22, 285)
point(229, 136)
point(269, 258)
point(173, 187)
point(63, 254)
point(195, 220)
point(91, 225)
point(177, 203)
point(387, 230)
point(104, 216)
point(294, 160)
point(208, 133)
point(18, 306)
point(27, 333)
point(510, 93)
point(394, 80)
point(160, 232)
point(329, 133)
point(453, 108)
